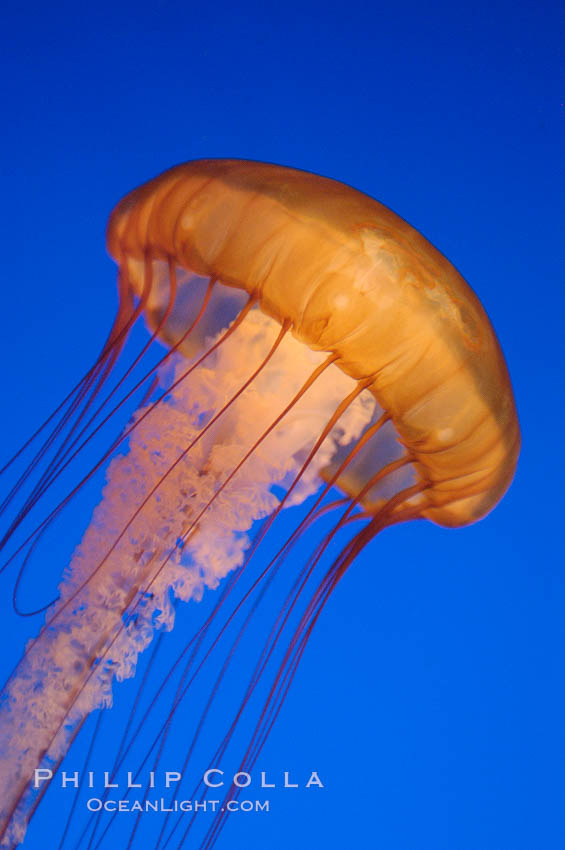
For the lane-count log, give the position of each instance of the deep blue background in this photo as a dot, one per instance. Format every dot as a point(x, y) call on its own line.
point(431, 697)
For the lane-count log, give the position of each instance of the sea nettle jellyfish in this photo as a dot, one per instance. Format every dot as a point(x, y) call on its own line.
point(314, 342)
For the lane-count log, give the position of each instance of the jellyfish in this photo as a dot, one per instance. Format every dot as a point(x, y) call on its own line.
point(318, 352)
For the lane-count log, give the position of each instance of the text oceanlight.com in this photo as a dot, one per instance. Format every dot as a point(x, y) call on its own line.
point(95, 804)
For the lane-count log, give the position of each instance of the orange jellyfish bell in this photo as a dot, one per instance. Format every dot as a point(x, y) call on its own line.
point(351, 278)
point(314, 339)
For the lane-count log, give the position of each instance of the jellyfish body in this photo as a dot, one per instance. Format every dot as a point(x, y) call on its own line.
point(315, 340)
point(355, 280)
